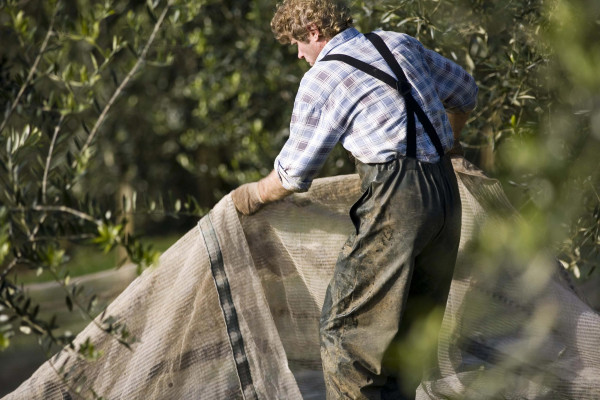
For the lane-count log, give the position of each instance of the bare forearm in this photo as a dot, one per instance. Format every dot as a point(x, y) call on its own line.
point(457, 122)
point(271, 189)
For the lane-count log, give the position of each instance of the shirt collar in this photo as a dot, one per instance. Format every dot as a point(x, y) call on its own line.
point(337, 40)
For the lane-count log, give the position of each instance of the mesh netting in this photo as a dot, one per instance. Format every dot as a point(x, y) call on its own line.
point(232, 310)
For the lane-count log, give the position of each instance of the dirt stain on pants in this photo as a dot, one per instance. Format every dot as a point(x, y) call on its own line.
point(397, 265)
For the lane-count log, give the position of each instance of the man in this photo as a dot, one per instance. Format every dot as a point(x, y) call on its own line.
point(394, 106)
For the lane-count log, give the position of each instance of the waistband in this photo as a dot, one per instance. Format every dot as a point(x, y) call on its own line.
point(403, 163)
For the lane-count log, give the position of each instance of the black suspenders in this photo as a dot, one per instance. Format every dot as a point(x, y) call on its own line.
point(403, 87)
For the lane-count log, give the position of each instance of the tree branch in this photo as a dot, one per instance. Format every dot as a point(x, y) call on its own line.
point(50, 150)
point(8, 268)
point(63, 209)
point(125, 81)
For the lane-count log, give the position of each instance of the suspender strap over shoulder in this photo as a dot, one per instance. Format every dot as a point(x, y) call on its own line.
point(402, 86)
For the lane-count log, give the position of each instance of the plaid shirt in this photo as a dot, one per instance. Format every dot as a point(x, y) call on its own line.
point(336, 102)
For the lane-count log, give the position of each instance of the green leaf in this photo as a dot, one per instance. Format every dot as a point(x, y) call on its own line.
point(4, 248)
point(108, 236)
point(92, 303)
point(94, 61)
point(84, 27)
point(4, 341)
point(83, 74)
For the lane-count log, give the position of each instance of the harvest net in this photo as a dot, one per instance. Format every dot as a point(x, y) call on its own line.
point(232, 309)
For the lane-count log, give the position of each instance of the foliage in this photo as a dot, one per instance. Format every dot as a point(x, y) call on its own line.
point(572, 140)
point(67, 67)
point(121, 112)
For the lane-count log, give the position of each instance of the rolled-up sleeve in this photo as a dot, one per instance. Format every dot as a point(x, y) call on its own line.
point(311, 140)
point(456, 88)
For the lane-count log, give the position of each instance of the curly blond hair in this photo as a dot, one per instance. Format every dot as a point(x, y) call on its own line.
point(293, 18)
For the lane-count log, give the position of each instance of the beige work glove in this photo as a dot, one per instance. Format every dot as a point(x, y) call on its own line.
point(247, 199)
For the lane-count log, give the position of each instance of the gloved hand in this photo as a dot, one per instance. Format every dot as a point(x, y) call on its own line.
point(247, 199)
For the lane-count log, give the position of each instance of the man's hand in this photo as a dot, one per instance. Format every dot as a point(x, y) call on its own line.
point(247, 198)
point(250, 197)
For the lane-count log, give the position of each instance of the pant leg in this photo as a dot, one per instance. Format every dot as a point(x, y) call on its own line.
point(402, 212)
point(428, 293)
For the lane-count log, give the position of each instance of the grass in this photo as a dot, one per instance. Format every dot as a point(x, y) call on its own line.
point(89, 259)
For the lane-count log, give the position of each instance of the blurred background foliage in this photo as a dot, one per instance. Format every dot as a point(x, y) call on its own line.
point(130, 118)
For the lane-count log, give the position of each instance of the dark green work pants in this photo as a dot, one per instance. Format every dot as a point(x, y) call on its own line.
point(407, 232)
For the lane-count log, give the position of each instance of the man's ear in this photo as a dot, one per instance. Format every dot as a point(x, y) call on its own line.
point(314, 33)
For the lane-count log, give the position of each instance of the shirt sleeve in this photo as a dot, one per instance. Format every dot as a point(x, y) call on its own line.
point(455, 87)
point(312, 137)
